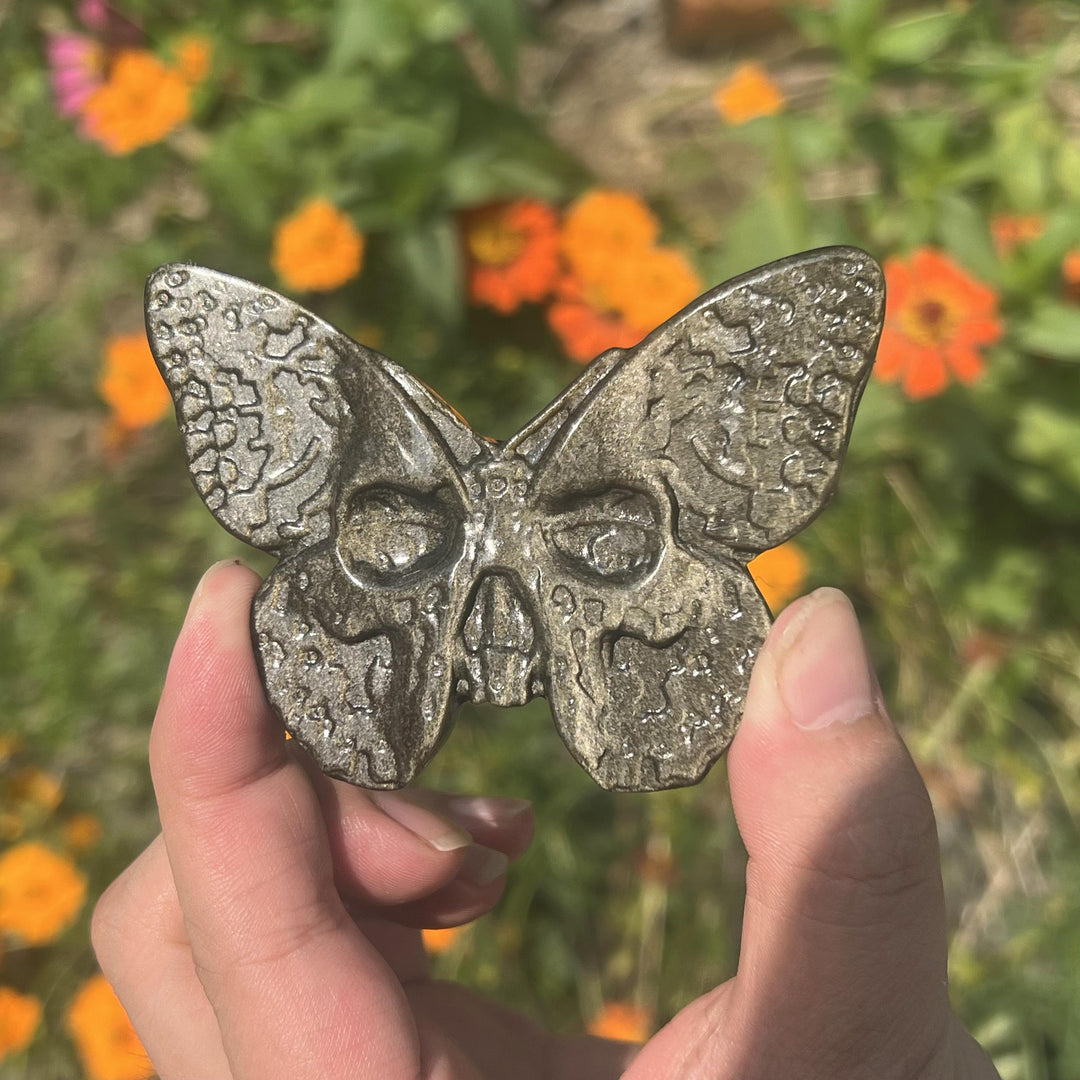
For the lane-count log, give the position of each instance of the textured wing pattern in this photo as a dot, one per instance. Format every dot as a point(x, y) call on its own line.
point(723, 433)
point(598, 557)
point(745, 400)
point(251, 376)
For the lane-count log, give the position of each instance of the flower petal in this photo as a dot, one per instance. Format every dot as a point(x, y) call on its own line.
point(926, 375)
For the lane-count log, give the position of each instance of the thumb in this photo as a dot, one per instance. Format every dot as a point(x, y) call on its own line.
point(843, 962)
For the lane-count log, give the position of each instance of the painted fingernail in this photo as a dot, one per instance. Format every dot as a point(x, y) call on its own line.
point(441, 834)
point(482, 865)
point(494, 811)
point(823, 674)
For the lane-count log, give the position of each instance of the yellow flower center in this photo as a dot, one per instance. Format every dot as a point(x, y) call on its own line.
point(930, 320)
point(494, 243)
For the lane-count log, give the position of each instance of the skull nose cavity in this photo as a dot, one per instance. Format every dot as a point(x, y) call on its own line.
point(498, 618)
point(499, 637)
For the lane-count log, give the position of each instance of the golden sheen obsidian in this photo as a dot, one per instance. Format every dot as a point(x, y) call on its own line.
point(597, 558)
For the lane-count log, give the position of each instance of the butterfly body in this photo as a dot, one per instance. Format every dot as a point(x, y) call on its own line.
point(597, 558)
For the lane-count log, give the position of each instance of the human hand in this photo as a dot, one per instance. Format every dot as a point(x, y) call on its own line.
point(268, 933)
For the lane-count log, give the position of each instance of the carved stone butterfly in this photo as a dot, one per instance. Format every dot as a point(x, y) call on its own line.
point(597, 558)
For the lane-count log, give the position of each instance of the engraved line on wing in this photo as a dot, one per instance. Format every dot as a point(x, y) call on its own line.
point(726, 478)
point(412, 409)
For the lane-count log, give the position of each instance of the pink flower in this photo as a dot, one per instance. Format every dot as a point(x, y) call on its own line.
point(94, 14)
point(78, 69)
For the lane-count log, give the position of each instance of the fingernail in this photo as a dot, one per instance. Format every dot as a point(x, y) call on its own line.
point(823, 676)
point(435, 830)
point(494, 811)
point(223, 614)
point(482, 865)
point(200, 589)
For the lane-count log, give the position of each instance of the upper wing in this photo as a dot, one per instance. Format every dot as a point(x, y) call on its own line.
point(265, 394)
point(743, 402)
point(251, 374)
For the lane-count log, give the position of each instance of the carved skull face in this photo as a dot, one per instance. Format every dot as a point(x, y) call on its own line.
point(597, 558)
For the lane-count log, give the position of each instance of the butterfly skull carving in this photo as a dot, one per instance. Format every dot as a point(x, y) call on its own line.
point(597, 558)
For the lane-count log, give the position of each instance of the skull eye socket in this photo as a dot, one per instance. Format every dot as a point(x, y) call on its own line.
point(614, 537)
point(387, 534)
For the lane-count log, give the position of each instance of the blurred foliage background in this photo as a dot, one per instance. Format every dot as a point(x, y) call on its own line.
point(944, 139)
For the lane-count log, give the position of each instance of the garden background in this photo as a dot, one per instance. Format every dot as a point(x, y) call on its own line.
point(480, 188)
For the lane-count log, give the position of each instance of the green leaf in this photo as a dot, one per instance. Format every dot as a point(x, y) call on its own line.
point(1067, 167)
point(431, 257)
point(1049, 436)
point(501, 27)
point(1045, 253)
point(915, 39)
point(817, 26)
point(1020, 142)
point(484, 175)
point(388, 32)
point(923, 136)
point(963, 230)
point(375, 30)
point(763, 231)
point(441, 21)
point(1053, 330)
point(1007, 595)
point(855, 23)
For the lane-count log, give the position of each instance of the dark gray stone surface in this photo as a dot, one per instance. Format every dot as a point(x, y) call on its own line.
point(597, 558)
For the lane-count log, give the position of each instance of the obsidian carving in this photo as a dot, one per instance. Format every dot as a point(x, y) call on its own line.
point(597, 558)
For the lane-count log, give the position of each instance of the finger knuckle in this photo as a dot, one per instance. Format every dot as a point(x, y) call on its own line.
point(107, 924)
point(884, 850)
point(241, 945)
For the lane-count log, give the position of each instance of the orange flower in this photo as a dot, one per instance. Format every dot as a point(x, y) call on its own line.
point(621, 285)
point(436, 942)
point(513, 253)
point(318, 248)
point(779, 573)
point(104, 1036)
point(651, 286)
point(40, 892)
point(1070, 274)
point(585, 323)
point(193, 53)
point(36, 787)
point(603, 227)
point(20, 1015)
point(140, 103)
point(130, 383)
point(81, 832)
point(1011, 231)
point(748, 94)
point(621, 1020)
point(937, 319)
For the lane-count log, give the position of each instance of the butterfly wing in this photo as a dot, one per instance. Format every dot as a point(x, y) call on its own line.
point(719, 436)
point(253, 377)
point(305, 443)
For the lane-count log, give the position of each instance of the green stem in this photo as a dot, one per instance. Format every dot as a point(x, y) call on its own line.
point(787, 182)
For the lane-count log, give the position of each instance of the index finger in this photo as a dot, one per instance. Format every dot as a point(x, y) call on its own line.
point(249, 852)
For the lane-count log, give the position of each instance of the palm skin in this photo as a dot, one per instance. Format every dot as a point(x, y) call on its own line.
point(269, 932)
